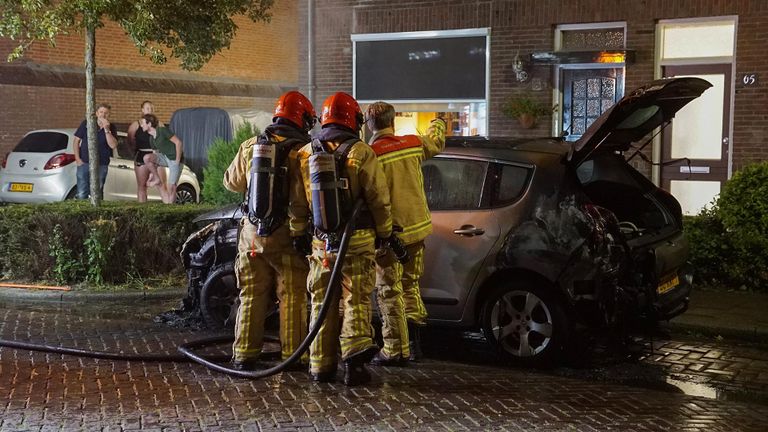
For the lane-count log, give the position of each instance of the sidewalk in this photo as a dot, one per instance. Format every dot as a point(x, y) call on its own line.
point(736, 314)
point(74, 296)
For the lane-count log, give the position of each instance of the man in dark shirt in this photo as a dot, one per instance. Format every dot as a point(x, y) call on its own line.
point(106, 138)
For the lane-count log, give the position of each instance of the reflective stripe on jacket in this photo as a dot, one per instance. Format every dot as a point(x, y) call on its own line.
point(400, 158)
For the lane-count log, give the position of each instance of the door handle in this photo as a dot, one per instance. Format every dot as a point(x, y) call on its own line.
point(469, 231)
point(123, 166)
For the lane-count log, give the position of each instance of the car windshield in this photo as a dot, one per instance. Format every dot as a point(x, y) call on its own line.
point(42, 142)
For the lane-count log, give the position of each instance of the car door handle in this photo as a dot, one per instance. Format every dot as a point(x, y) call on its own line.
point(469, 231)
point(123, 166)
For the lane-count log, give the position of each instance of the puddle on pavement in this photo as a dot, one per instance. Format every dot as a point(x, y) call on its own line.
point(696, 389)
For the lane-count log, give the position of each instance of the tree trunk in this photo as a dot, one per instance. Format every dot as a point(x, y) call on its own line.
point(90, 114)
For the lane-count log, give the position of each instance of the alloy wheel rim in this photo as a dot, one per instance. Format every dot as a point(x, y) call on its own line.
point(522, 323)
point(183, 196)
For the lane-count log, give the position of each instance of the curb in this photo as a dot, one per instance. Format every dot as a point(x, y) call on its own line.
point(74, 296)
point(755, 335)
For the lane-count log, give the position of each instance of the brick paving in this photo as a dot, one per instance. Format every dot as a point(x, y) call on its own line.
point(726, 367)
point(41, 391)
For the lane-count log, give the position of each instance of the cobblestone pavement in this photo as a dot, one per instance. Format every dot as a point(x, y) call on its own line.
point(464, 391)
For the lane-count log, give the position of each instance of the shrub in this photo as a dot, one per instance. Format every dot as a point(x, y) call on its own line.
point(729, 242)
point(711, 252)
point(743, 202)
point(72, 241)
point(220, 155)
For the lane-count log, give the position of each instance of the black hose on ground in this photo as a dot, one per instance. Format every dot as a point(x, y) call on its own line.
point(93, 354)
point(185, 349)
point(330, 293)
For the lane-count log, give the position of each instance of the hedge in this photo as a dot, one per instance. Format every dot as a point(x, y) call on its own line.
point(729, 240)
point(72, 241)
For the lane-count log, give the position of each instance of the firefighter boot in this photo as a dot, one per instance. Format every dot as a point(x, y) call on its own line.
point(355, 372)
point(414, 342)
point(323, 377)
point(247, 365)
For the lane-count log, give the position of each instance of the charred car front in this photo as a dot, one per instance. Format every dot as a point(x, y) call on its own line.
point(532, 236)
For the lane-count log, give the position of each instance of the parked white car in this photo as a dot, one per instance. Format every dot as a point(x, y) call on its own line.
point(41, 168)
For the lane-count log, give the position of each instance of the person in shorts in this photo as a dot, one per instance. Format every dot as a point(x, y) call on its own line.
point(167, 152)
point(139, 142)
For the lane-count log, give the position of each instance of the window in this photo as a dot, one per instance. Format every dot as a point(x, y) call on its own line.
point(509, 182)
point(449, 65)
point(42, 142)
point(454, 184)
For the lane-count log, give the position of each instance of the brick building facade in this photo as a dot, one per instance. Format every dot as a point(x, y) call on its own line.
point(524, 27)
point(46, 88)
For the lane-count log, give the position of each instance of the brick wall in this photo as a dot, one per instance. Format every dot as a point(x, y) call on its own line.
point(253, 53)
point(529, 26)
point(260, 54)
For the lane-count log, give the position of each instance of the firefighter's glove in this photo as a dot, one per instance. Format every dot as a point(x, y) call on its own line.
point(303, 244)
point(396, 246)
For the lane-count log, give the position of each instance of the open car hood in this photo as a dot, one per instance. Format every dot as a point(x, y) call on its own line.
point(636, 114)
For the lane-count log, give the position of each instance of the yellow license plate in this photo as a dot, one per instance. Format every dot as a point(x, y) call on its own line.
point(20, 187)
point(668, 285)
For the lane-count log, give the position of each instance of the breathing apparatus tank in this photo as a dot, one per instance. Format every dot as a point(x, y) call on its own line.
point(267, 190)
point(326, 189)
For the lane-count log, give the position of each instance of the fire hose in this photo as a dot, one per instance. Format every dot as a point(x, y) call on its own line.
point(186, 349)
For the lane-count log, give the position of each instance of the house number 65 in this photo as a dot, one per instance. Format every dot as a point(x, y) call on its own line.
point(749, 79)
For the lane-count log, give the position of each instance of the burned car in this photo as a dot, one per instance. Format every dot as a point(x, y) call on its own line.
point(532, 236)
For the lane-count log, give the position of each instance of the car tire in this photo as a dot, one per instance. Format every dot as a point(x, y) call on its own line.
point(219, 298)
point(72, 194)
point(185, 194)
point(526, 323)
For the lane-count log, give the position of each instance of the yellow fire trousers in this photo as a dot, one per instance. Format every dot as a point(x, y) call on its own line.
point(264, 264)
point(349, 325)
point(415, 311)
point(399, 298)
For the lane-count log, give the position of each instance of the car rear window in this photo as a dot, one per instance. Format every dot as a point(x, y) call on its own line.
point(509, 182)
point(43, 142)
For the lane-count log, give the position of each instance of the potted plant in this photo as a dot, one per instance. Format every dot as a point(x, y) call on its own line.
point(525, 109)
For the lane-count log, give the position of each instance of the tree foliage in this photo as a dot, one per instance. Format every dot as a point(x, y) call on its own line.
point(220, 155)
point(191, 30)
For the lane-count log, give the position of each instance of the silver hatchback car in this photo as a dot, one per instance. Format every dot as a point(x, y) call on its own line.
point(531, 236)
point(41, 169)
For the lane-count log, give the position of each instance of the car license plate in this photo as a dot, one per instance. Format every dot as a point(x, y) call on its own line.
point(669, 284)
point(20, 187)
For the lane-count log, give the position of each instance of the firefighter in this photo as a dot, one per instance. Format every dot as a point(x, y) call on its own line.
point(267, 258)
point(398, 295)
point(336, 169)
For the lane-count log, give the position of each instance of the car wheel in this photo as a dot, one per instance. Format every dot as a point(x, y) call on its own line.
point(72, 194)
point(219, 298)
point(185, 194)
point(525, 322)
